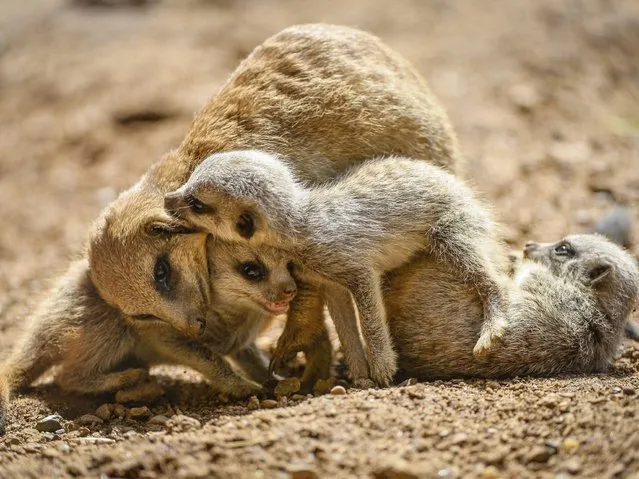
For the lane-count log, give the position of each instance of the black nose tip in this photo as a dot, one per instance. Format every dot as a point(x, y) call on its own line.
point(530, 245)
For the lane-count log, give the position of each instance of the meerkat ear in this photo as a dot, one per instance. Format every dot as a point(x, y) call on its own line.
point(596, 271)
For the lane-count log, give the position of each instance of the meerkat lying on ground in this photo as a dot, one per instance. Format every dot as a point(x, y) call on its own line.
point(569, 303)
point(375, 218)
point(102, 351)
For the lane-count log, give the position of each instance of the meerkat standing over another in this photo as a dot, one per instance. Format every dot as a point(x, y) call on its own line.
point(375, 218)
point(569, 303)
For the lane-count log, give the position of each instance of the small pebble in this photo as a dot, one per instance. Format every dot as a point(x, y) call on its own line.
point(95, 440)
point(302, 472)
point(139, 413)
point(104, 412)
point(628, 391)
point(49, 423)
point(268, 404)
point(182, 423)
point(298, 397)
point(119, 410)
point(324, 386)
point(287, 386)
point(408, 382)
point(616, 225)
point(60, 431)
point(51, 453)
point(253, 403)
point(570, 445)
point(490, 472)
point(573, 466)
point(338, 391)
point(539, 454)
point(160, 420)
point(88, 420)
point(12, 440)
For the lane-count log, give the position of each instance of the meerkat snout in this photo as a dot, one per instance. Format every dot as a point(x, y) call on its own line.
point(530, 246)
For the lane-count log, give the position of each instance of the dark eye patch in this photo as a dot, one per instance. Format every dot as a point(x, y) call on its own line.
point(197, 206)
point(245, 225)
point(290, 266)
point(162, 274)
point(564, 249)
point(253, 270)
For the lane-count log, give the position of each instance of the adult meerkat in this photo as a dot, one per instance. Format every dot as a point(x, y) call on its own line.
point(376, 217)
point(326, 97)
point(101, 351)
point(569, 303)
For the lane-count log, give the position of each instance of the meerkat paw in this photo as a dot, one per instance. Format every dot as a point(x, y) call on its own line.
point(363, 383)
point(281, 357)
point(383, 369)
point(491, 333)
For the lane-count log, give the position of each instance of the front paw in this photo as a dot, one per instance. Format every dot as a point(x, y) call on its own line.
point(382, 370)
point(282, 356)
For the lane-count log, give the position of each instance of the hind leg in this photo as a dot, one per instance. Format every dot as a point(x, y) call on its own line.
point(467, 247)
point(97, 383)
point(365, 286)
point(344, 316)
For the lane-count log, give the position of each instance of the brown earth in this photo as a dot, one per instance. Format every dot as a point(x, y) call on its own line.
point(545, 97)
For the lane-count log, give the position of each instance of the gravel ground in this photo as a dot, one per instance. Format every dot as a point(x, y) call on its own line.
point(545, 97)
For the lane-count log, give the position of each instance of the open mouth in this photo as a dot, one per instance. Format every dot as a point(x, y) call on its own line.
point(273, 307)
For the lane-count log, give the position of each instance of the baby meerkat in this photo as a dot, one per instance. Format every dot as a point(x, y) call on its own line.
point(105, 352)
point(373, 219)
point(569, 303)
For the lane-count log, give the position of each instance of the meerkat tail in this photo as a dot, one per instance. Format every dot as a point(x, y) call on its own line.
point(4, 402)
point(29, 360)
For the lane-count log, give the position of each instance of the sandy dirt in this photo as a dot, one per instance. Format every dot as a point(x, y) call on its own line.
point(545, 97)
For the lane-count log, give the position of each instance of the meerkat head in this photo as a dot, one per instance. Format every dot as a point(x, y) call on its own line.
point(148, 267)
point(255, 278)
point(238, 196)
point(596, 263)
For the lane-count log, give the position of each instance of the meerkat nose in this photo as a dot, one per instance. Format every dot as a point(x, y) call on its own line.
point(530, 245)
point(289, 292)
point(173, 202)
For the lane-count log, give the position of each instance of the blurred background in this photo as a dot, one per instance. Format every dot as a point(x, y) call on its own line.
point(544, 95)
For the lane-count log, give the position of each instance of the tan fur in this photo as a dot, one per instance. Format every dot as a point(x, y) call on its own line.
point(324, 96)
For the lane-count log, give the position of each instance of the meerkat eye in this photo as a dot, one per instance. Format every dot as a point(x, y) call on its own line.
point(564, 249)
point(197, 206)
point(290, 266)
point(162, 275)
point(253, 271)
point(246, 226)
